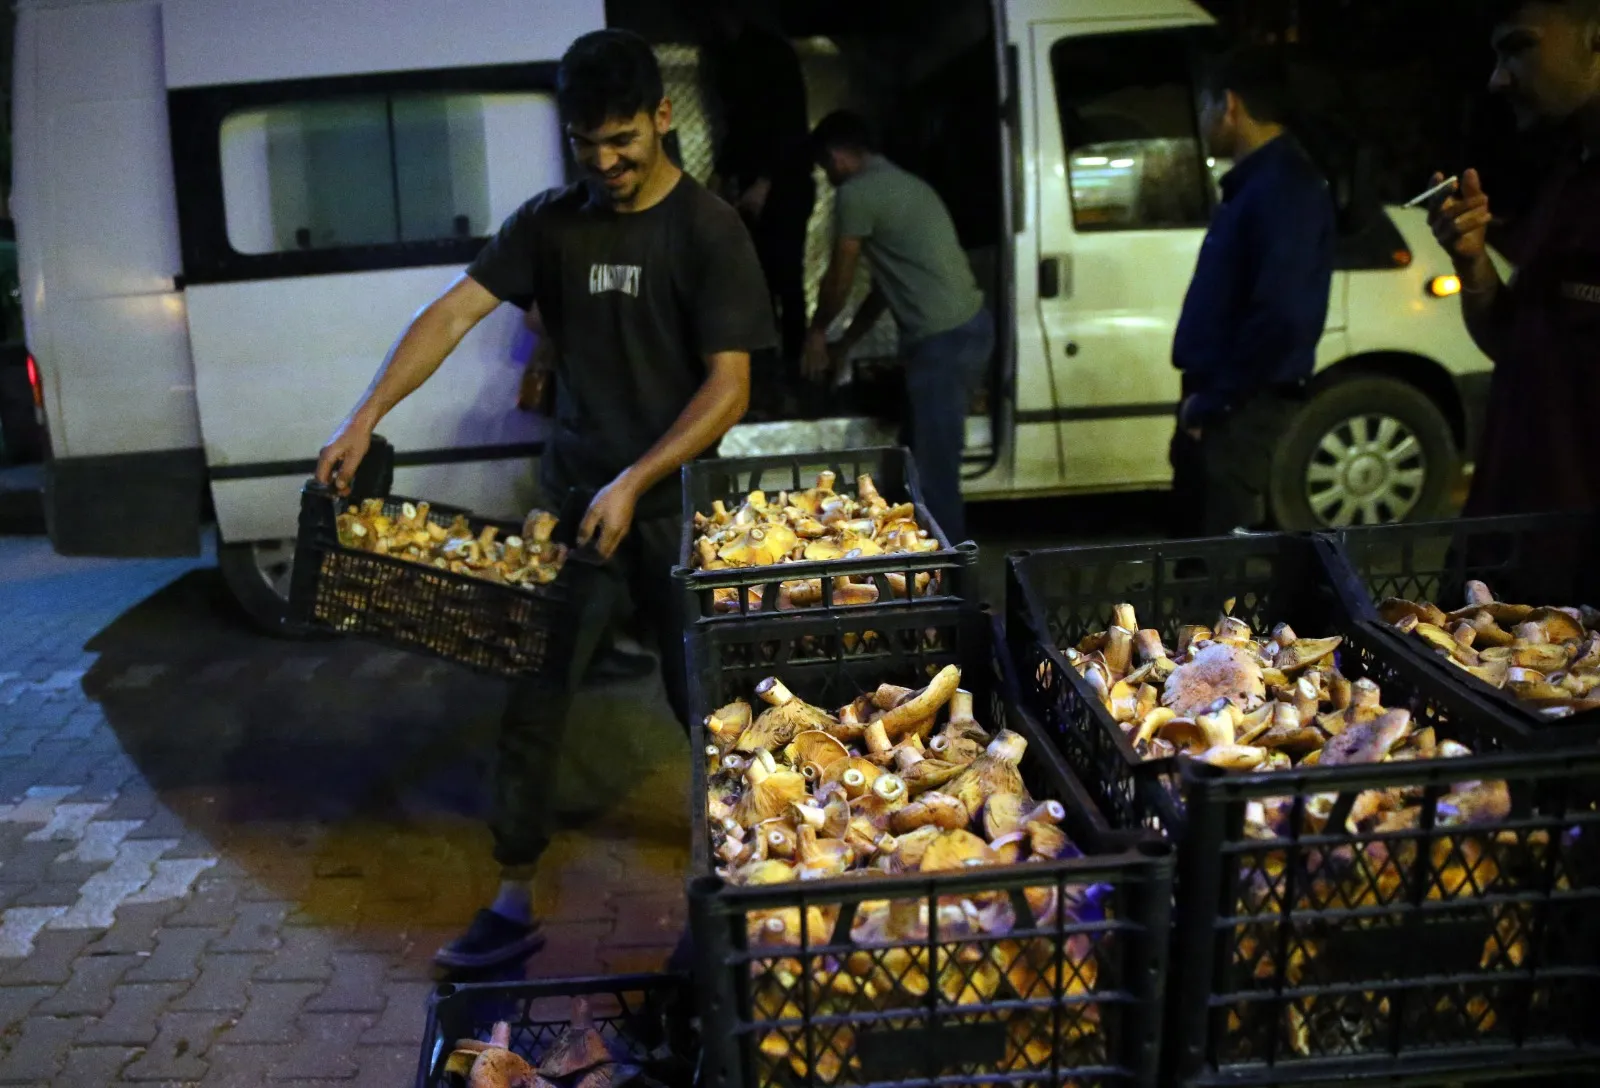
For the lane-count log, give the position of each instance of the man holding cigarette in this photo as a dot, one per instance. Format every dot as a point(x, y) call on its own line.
point(1542, 329)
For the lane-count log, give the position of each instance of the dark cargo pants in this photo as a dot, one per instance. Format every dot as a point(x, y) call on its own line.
point(533, 730)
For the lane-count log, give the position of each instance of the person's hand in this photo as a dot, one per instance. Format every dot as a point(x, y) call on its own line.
point(1185, 410)
point(1461, 221)
point(753, 199)
point(609, 516)
point(339, 459)
point(535, 380)
point(816, 363)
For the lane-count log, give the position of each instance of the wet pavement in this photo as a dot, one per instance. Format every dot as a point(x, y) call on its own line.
point(227, 859)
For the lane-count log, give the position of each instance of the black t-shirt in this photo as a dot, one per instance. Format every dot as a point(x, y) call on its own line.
point(633, 303)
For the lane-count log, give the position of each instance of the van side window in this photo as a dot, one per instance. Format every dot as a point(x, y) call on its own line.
point(1130, 129)
point(383, 169)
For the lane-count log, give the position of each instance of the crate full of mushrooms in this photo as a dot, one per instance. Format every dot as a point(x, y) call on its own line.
point(780, 534)
point(431, 579)
point(906, 871)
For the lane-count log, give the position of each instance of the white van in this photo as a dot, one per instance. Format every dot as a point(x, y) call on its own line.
point(226, 212)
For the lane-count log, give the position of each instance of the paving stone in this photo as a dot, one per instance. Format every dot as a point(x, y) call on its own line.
point(256, 928)
point(172, 880)
point(100, 841)
point(304, 956)
point(51, 961)
point(270, 1015)
point(134, 1011)
point(357, 984)
point(177, 955)
point(67, 823)
point(54, 893)
point(224, 983)
point(175, 1055)
point(88, 992)
point(324, 1052)
point(211, 902)
point(387, 1066)
point(105, 891)
point(646, 919)
point(94, 1065)
point(134, 929)
point(132, 804)
point(32, 862)
point(415, 962)
point(39, 1050)
point(404, 1014)
point(634, 959)
point(163, 823)
point(16, 1002)
point(572, 948)
point(250, 1064)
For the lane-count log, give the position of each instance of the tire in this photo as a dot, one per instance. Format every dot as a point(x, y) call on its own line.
point(257, 574)
point(1366, 450)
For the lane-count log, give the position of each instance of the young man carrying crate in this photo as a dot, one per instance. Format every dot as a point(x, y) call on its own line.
point(653, 297)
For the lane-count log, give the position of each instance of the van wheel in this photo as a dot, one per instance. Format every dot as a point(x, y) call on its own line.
point(257, 574)
point(1366, 451)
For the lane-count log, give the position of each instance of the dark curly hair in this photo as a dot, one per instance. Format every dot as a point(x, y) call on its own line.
point(607, 74)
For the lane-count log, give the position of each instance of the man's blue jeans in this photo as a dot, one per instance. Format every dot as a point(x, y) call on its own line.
point(942, 373)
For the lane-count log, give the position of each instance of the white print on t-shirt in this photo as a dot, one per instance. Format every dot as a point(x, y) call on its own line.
point(614, 277)
point(1582, 292)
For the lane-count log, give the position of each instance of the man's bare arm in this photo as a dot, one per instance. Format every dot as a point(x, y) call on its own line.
point(717, 405)
point(867, 315)
point(432, 335)
point(834, 290)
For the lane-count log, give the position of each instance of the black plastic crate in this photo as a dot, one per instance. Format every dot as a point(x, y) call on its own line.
point(1436, 953)
point(1537, 559)
point(1389, 942)
point(950, 568)
point(1055, 999)
point(645, 1019)
point(1055, 597)
point(498, 629)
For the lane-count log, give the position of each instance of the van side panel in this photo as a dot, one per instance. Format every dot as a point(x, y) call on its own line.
point(101, 233)
point(224, 41)
point(101, 250)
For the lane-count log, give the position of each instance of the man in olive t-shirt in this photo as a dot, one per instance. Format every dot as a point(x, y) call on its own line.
point(921, 275)
point(652, 295)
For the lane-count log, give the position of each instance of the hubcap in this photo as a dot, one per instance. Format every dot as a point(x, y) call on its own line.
point(275, 563)
point(1367, 470)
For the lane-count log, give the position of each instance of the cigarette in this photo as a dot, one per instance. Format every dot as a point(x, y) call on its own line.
point(1444, 186)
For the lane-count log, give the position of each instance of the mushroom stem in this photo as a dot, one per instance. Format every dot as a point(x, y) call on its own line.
point(878, 738)
point(774, 691)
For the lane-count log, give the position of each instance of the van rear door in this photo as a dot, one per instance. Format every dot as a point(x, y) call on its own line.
point(324, 200)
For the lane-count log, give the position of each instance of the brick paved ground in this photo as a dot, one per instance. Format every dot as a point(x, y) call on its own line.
point(227, 860)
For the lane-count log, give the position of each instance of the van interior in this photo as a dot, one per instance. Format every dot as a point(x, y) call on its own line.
point(927, 78)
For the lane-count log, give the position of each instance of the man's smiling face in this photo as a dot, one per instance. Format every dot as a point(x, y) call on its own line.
point(622, 152)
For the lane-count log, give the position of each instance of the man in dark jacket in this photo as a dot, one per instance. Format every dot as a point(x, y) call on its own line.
point(1247, 339)
point(1543, 328)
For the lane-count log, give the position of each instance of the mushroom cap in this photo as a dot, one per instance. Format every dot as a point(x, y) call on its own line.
point(813, 746)
point(1218, 671)
point(955, 850)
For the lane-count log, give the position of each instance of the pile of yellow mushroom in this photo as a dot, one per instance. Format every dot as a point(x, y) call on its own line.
point(413, 534)
point(816, 524)
point(1548, 657)
point(898, 781)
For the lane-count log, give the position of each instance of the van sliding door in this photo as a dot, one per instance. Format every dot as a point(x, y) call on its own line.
point(318, 216)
